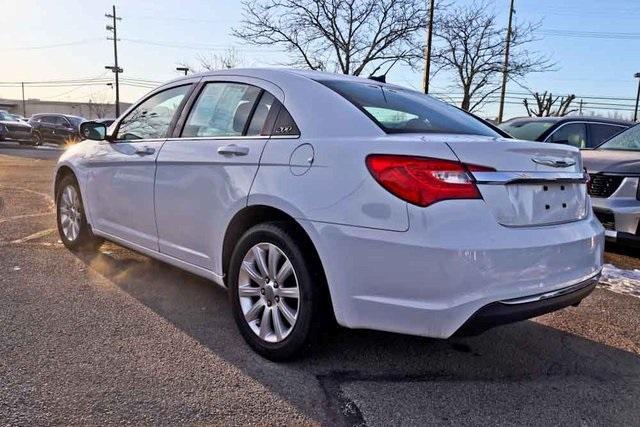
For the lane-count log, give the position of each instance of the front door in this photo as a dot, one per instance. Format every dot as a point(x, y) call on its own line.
point(122, 173)
point(205, 173)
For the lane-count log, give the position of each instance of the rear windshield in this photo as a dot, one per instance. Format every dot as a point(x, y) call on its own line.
point(629, 140)
point(405, 111)
point(529, 130)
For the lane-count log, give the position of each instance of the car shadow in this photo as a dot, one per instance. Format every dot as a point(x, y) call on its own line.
point(509, 372)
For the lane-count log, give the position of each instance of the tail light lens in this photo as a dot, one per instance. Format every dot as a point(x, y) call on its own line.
point(424, 181)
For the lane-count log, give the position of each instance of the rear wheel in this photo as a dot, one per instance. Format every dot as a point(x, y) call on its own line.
point(73, 228)
point(278, 298)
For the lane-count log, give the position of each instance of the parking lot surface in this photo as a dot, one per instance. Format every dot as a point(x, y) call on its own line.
point(116, 337)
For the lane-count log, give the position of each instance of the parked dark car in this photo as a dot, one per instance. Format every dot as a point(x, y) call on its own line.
point(12, 128)
point(55, 128)
point(578, 131)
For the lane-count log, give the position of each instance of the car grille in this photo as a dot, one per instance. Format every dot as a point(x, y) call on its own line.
point(603, 185)
point(607, 219)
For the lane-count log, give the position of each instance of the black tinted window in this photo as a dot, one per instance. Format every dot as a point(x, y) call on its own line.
point(257, 125)
point(601, 132)
point(574, 134)
point(403, 111)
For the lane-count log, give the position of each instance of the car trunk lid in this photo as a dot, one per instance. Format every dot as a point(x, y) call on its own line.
point(533, 183)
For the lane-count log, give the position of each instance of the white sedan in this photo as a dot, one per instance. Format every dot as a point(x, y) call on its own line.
point(316, 197)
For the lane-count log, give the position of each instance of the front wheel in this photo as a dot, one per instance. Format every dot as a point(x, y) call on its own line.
point(277, 295)
point(36, 138)
point(73, 227)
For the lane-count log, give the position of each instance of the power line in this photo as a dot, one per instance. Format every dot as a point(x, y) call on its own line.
point(591, 34)
point(195, 46)
point(52, 46)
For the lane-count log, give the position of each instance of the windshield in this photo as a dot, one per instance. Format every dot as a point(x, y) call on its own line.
point(7, 117)
point(529, 130)
point(398, 110)
point(628, 140)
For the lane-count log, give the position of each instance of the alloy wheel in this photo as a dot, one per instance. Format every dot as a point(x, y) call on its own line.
point(70, 213)
point(269, 292)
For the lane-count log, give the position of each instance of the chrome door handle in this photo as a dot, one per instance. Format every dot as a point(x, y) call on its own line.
point(233, 150)
point(145, 151)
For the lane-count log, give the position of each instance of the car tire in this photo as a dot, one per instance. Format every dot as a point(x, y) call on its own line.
point(37, 139)
point(73, 228)
point(282, 339)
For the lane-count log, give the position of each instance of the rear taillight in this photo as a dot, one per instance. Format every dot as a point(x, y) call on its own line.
point(424, 181)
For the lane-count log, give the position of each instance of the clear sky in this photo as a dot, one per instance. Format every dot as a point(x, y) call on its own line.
point(66, 39)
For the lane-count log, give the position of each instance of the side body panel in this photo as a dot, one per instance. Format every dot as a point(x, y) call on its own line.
point(198, 190)
point(119, 190)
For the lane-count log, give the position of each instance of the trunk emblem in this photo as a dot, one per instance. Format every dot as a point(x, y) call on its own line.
point(565, 163)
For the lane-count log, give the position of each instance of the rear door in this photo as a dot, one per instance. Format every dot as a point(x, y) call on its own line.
point(573, 134)
point(46, 124)
point(533, 184)
point(206, 170)
point(62, 130)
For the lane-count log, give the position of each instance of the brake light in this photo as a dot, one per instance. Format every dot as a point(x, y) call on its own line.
point(424, 181)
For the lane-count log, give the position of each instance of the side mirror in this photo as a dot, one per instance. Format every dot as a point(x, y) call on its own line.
point(93, 130)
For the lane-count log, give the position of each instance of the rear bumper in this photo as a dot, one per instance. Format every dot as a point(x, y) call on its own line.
point(514, 310)
point(454, 260)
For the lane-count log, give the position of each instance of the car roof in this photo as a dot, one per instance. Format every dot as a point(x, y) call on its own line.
point(565, 119)
point(279, 74)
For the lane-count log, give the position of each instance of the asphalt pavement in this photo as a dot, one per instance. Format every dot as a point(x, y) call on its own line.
point(115, 337)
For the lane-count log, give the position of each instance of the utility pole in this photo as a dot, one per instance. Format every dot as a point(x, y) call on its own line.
point(427, 50)
point(580, 106)
point(115, 68)
point(635, 115)
point(505, 69)
point(24, 108)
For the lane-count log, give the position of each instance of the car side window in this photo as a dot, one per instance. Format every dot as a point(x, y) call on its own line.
point(599, 133)
point(574, 134)
point(222, 109)
point(152, 118)
point(61, 121)
point(260, 114)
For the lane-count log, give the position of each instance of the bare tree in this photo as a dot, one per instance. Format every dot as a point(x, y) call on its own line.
point(99, 107)
point(470, 44)
point(346, 36)
point(230, 58)
point(545, 104)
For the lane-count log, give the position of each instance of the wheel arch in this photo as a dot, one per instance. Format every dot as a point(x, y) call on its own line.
point(62, 171)
point(257, 214)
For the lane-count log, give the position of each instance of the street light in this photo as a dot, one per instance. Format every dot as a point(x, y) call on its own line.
point(184, 69)
point(635, 115)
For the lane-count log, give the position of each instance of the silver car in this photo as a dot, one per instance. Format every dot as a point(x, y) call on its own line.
point(614, 168)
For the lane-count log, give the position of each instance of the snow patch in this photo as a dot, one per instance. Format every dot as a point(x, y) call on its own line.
point(621, 281)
